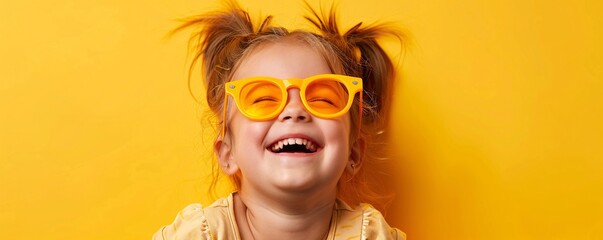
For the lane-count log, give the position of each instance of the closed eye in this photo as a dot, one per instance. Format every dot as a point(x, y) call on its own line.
point(325, 100)
point(264, 99)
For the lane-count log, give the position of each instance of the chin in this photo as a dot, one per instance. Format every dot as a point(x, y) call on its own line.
point(304, 185)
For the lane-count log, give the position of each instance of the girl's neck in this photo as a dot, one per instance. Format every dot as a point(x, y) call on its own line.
point(304, 218)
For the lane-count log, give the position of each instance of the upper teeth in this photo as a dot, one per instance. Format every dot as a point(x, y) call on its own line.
point(290, 141)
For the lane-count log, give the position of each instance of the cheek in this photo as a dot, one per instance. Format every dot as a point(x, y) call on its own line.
point(246, 134)
point(337, 132)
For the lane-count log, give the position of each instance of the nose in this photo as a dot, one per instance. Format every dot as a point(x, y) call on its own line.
point(294, 109)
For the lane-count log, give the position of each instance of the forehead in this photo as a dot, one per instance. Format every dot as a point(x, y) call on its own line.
point(282, 59)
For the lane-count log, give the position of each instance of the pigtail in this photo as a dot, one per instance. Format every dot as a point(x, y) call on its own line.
point(376, 67)
point(219, 41)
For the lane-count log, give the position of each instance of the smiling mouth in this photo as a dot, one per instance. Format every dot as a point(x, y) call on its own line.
point(293, 145)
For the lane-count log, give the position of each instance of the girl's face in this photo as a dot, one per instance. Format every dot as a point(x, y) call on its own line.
point(250, 145)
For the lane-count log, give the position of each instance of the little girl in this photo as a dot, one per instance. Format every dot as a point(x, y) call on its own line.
point(299, 111)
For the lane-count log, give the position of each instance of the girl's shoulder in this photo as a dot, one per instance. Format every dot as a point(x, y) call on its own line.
point(197, 222)
point(190, 223)
point(366, 220)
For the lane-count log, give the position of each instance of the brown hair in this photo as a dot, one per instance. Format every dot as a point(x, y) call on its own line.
point(223, 38)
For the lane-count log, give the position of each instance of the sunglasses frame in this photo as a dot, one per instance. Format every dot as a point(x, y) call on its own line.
point(352, 84)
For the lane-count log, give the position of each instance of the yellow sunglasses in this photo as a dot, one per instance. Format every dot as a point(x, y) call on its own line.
point(263, 98)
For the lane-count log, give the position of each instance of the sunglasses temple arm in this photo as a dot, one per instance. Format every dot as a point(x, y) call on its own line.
point(360, 112)
point(224, 115)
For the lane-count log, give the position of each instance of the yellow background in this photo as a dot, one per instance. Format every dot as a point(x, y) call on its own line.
point(497, 124)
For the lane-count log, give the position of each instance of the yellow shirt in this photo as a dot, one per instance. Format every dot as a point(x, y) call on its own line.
point(218, 222)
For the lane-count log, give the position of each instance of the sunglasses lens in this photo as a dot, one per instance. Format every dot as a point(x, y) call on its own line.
point(326, 96)
point(259, 99)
